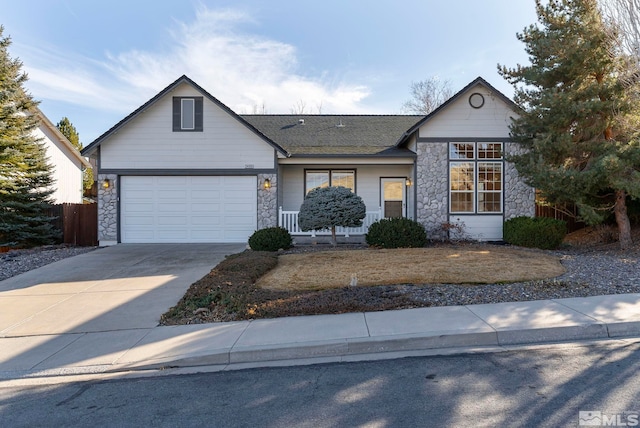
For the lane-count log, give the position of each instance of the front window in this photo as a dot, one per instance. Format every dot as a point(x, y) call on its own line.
point(489, 150)
point(316, 179)
point(475, 184)
point(462, 184)
point(461, 151)
point(329, 177)
point(489, 187)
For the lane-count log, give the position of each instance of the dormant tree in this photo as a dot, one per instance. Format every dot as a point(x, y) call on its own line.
point(427, 95)
point(623, 19)
point(624, 15)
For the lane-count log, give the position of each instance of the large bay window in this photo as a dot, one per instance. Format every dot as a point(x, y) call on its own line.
point(329, 177)
point(475, 177)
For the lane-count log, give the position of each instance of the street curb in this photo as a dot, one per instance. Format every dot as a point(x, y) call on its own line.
point(394, 346)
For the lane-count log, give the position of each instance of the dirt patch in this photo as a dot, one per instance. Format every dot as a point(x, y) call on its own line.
point(440, 265)
point(593, 235)
point(602, 237)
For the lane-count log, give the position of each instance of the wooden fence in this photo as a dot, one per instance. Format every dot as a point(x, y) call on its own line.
point(77, 222)
point(566, 213)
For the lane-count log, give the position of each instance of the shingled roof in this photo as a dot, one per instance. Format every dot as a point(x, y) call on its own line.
point(347, 135)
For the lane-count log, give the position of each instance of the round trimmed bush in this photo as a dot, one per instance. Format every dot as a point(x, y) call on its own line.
point(270, 239)
point(396, 233)
point(535, 232)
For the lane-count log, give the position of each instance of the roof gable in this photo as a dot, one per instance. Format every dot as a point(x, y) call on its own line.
point(439, 111)
point(65, 145)
point(183, 79)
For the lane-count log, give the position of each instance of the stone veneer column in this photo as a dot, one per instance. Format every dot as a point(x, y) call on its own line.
point(108, 210)
point(432, 191)
point(267, 201)
point(519, 198)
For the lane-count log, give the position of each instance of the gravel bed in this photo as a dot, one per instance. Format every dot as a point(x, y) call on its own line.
point(590, 272)
point(16, 262)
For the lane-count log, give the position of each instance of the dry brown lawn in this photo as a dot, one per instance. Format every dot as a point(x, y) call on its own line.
point(437, 265)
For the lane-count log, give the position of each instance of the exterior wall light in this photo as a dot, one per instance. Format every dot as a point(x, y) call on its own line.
point(106, 183)
point(267, 184)
point(408, 182)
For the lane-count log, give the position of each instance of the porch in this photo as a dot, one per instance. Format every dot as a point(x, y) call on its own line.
point(289, 221)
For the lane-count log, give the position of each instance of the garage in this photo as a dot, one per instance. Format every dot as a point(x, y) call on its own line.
point(187, 209)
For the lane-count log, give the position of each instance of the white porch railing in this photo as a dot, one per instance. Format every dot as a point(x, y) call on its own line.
point(289, 221)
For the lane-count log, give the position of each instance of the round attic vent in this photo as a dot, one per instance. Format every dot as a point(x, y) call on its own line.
point(476, 100)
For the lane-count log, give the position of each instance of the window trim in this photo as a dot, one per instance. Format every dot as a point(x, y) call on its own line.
point(330, 171)
point(183, 103)
point(178, 112)
point(475, 160)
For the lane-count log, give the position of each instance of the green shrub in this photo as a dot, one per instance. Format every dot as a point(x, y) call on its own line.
point(535, 232)
point(396, 233)
point(270, 239)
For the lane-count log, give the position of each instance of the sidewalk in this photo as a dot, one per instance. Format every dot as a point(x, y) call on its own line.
point(321, 338)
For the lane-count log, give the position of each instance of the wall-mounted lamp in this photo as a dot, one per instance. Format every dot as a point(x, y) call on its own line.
point(106, 183)
point(408, 182)
point(267, 184)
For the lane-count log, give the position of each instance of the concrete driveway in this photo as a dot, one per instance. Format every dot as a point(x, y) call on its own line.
point(127, 286)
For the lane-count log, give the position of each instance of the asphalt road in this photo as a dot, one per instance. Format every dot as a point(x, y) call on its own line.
point(541, 386)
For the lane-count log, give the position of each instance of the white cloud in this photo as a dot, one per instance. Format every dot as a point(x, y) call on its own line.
point(242, 70)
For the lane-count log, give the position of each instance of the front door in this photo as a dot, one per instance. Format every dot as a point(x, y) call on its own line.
point(393, 197)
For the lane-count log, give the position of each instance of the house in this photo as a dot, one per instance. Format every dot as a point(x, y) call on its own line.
point(66, 161)
point(185, 168)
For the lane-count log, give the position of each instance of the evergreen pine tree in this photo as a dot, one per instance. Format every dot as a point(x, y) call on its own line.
point(68, 130)
point(25, 175)
point(579, 125)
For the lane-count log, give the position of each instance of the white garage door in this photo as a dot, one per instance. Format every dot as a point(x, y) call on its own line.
point(187, 209)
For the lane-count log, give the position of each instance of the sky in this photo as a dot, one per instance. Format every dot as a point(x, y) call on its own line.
point(96, 61)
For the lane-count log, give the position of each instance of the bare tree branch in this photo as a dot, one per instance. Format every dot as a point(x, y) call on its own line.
point(427, 95)
point(299, 107)
point(623, 16)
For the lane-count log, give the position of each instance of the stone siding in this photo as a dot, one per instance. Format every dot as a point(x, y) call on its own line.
point(267, 201)
point(432, 189)
point(519, 198)
point(108, 209)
